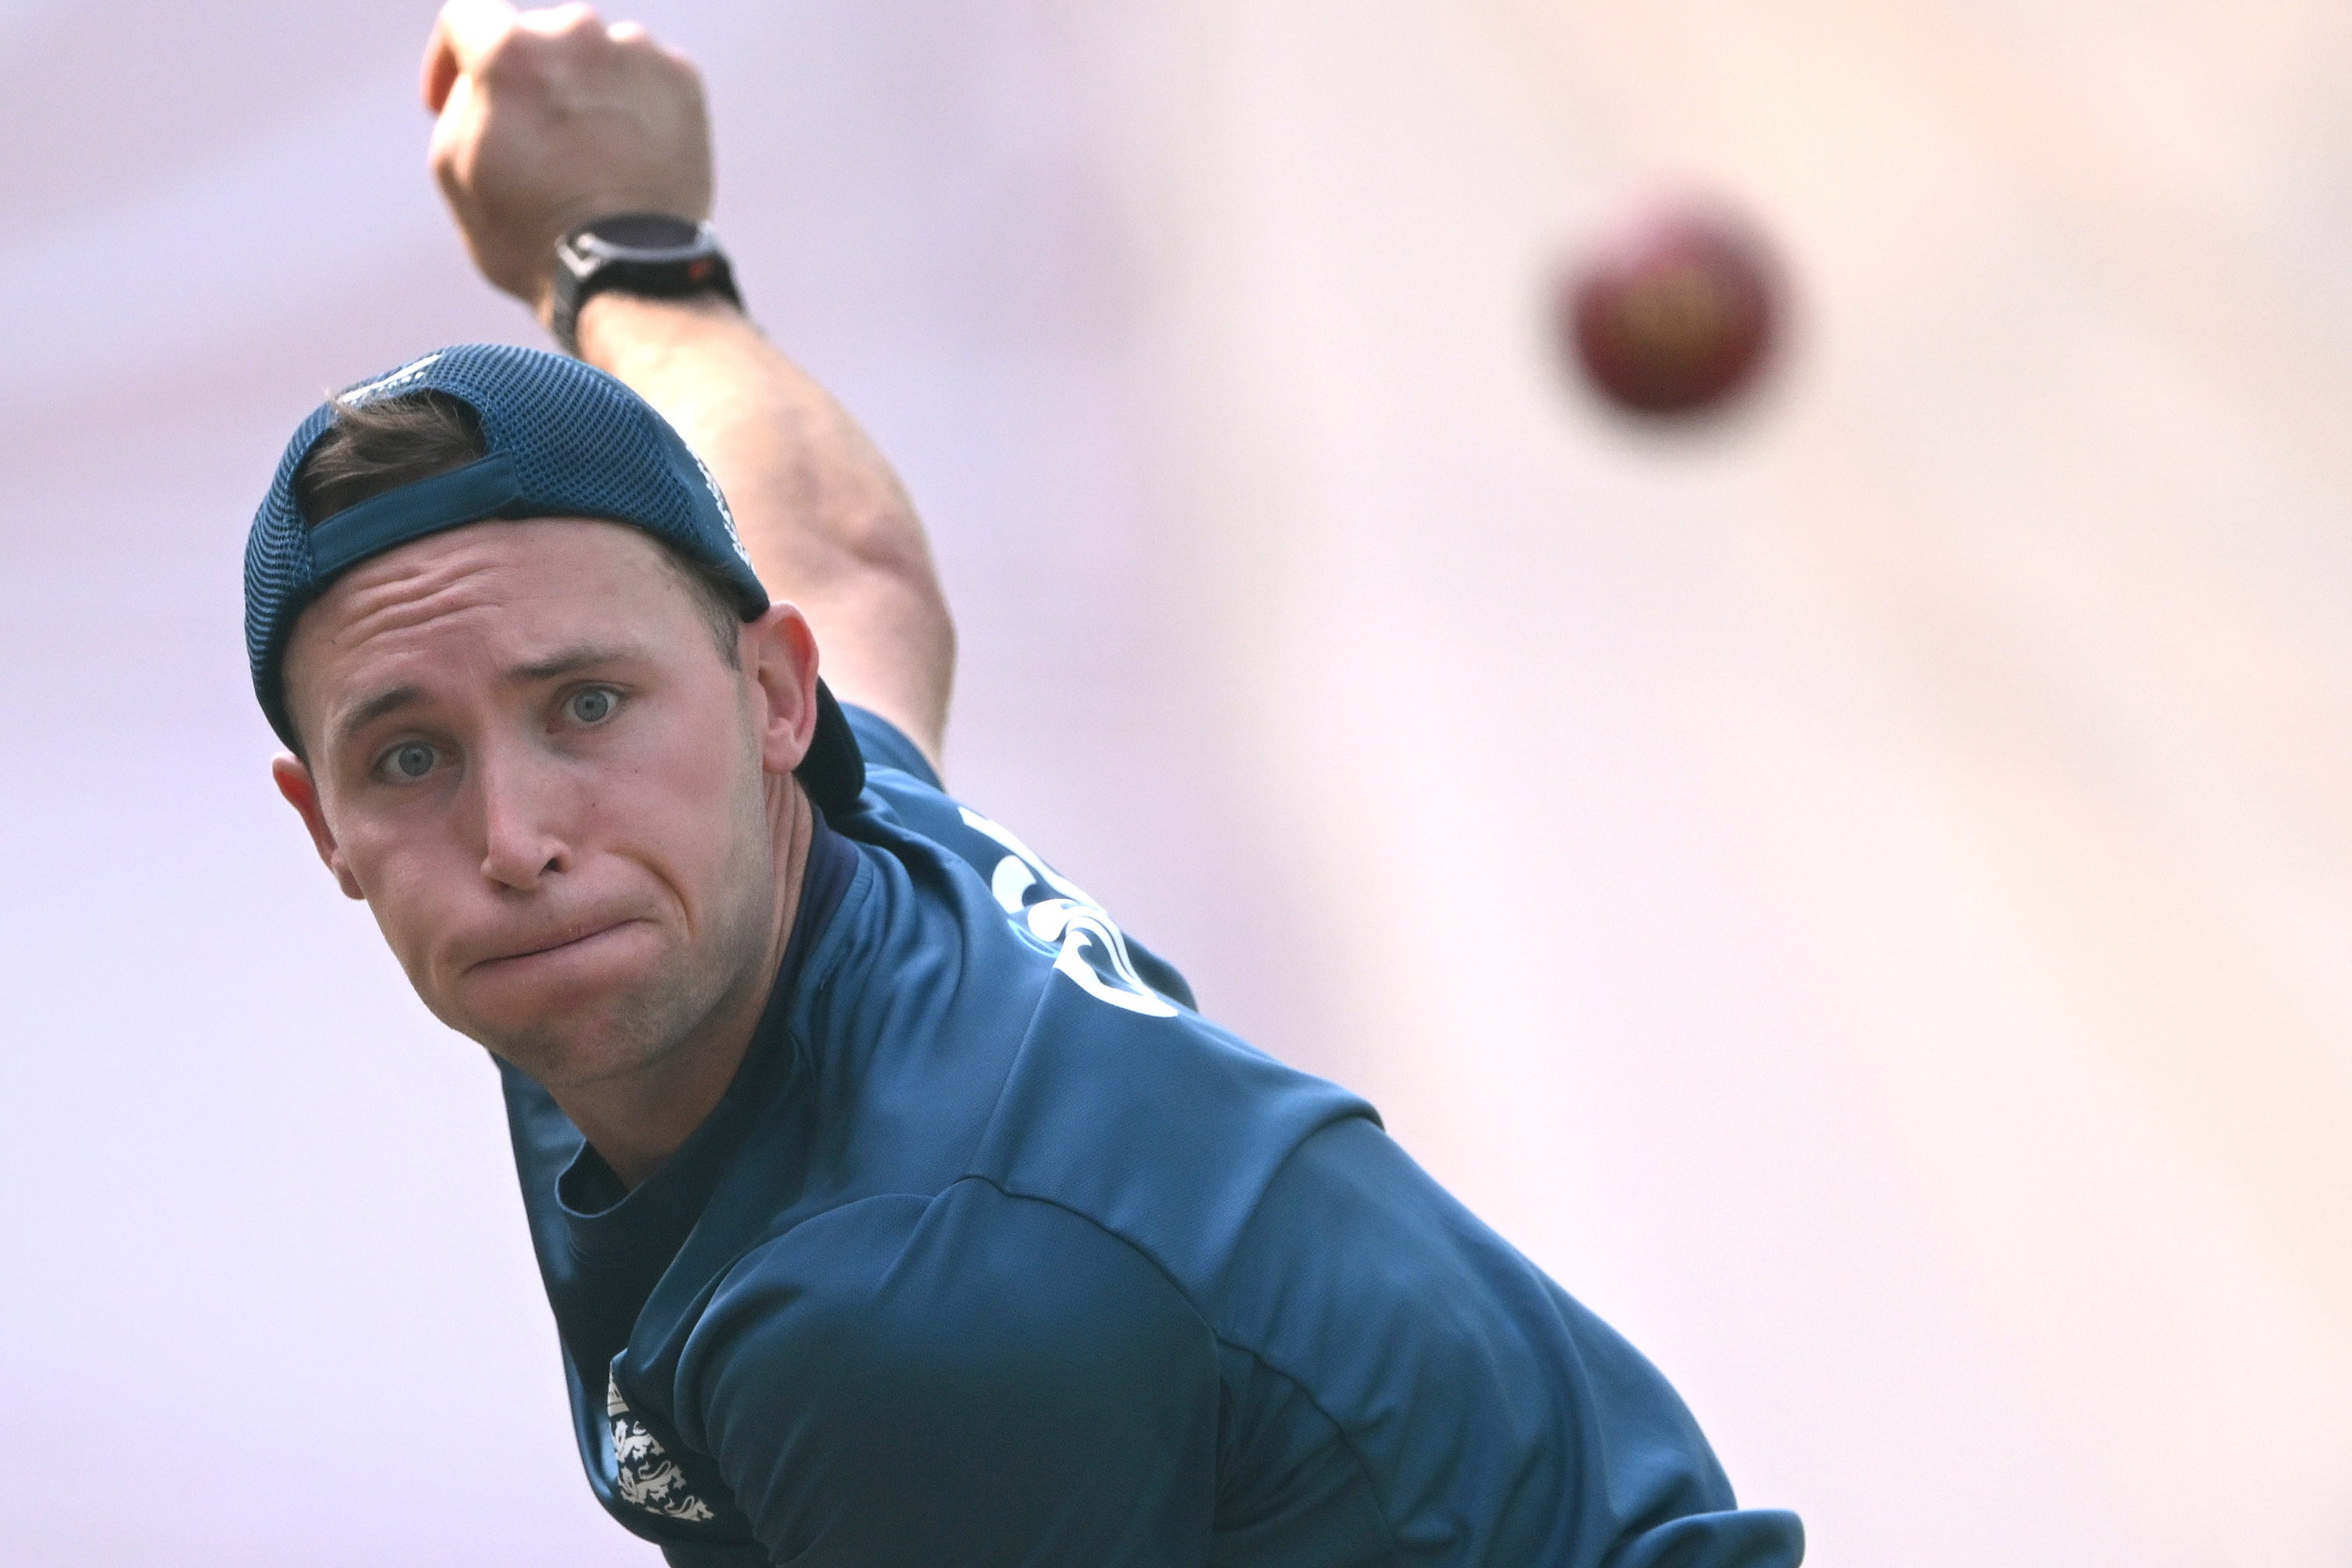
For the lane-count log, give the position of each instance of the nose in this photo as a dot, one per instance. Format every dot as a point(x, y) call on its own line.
point(519, 807)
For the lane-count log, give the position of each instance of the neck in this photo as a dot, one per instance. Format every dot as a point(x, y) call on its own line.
point(636, 1120)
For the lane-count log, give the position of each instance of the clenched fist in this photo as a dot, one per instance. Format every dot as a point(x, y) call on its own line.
point(548, 119)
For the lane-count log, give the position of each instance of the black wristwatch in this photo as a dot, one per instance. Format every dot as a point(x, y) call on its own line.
point(651, 254)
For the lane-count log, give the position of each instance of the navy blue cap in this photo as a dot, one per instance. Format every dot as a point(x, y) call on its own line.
point(563, 439)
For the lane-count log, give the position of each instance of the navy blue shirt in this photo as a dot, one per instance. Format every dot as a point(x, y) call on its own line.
point(997, 1252)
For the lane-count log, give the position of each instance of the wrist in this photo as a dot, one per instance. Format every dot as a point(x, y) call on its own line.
point(613, 329)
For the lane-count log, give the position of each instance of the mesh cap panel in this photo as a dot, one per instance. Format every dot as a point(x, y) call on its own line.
point(576, 442)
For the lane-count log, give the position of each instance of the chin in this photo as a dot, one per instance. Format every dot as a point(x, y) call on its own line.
point(581, 1045)
point(583, 1031)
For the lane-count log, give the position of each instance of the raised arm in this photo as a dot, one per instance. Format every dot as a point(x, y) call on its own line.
point(548, 119)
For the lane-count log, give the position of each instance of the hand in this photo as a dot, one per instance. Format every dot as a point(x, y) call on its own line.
point(548, 119)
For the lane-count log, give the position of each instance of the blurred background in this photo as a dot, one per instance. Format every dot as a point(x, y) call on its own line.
point(1861, 891)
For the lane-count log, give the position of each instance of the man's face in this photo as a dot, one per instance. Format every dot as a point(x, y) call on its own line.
point(527, 756)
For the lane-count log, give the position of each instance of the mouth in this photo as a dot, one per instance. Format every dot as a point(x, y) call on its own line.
point(551, 950)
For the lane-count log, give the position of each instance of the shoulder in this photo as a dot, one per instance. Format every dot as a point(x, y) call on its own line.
point(905, 798)
point(1106, 1092)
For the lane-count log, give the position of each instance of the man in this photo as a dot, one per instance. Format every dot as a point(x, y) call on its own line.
point(895, 1209)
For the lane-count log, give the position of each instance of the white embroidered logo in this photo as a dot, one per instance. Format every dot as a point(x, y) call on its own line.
point(384, 385)
point(643, 1472)
point(1093, 949)
point(726, 512)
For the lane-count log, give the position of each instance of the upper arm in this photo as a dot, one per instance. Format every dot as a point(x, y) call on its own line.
point(884, 642)
point(822, 516)
point(1502, 1421)
point(976, 1378)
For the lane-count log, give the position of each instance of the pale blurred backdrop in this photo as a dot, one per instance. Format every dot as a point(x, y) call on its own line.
point(1862, 894)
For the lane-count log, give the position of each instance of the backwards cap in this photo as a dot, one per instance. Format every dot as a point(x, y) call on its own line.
point(563, 439)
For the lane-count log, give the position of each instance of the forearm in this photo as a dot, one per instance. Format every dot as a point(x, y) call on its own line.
point(545, 118)
point(825, 520)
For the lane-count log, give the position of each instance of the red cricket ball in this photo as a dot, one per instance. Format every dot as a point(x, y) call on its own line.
point(1676, 314)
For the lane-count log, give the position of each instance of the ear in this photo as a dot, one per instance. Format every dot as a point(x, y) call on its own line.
point(301, 792)
point(780, 661)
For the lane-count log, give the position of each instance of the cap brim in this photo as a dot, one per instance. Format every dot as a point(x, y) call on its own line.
point(834, 771)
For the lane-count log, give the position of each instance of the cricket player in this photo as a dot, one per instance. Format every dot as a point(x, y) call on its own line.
point(896, 1210)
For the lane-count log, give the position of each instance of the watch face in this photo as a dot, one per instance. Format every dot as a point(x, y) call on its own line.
point(642, 235)
point(655, 254)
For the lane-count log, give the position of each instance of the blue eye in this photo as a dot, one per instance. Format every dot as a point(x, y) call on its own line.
point(591, 704)
point(413, 761)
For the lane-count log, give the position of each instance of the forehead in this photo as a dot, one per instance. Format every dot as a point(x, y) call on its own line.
point(505, 590)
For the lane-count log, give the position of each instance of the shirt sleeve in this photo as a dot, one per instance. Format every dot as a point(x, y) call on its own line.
point(974, 1379)
point(884, 745)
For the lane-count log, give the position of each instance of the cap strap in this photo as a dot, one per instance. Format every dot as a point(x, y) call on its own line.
point(482, 489)
point(834, 769)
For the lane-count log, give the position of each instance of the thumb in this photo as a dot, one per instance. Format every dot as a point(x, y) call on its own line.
point(463, 34)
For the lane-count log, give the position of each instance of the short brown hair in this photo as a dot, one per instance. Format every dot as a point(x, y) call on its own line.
point(381, 445)
point(386, 443)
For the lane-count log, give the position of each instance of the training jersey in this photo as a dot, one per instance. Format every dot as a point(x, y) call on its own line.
point(996, 1252)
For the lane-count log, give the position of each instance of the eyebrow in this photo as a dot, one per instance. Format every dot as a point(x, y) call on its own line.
point(571, 660)
point(374, 708)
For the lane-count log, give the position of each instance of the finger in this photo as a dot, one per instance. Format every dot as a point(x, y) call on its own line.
point(440, 72)
point(636, 34)
point(555, 21)
point(463, 34)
